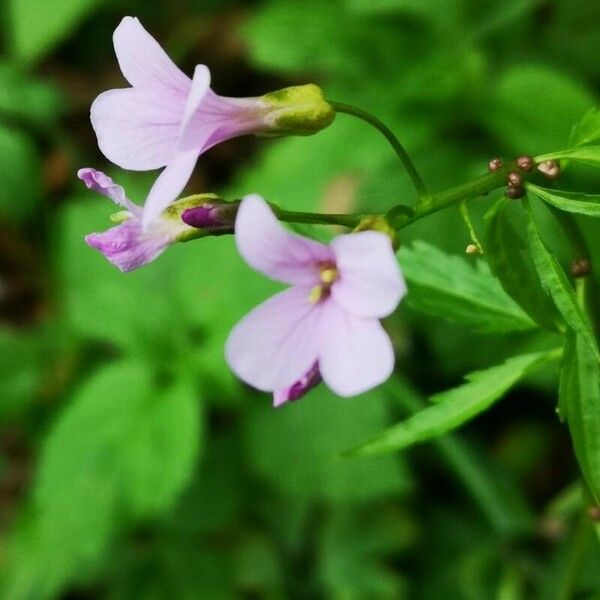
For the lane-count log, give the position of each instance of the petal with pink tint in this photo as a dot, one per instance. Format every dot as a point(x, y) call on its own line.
point(169, 185)
point(271, 249)
point(136, 129)
point(370, 282)
point(200, 86)
point(143, 62)
point(103, 184)
point(275, 344)
point(127, 246)
point(355, 353)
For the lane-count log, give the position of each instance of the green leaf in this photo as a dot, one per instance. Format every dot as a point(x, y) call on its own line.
point(20, 169)
point(22, 360)
point(122, 450)
point(449, 287)
point(524, 123)
point(509, 258)
point(27, 98)
point(297, 456)
point(579, 404)
point(454, 407)
point(555, 282)
point(354, 547)
point(36, 26)
point(590, 155)
point(587, 131)
point(573, 202)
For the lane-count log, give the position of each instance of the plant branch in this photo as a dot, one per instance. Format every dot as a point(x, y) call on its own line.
point(394, 142)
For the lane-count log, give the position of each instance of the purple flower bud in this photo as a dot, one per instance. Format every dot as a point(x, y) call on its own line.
point(211, 215)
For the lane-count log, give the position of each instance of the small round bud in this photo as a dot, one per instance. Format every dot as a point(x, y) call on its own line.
point(550, 168)
point(472, 249)
point(514, 193)
point(580, 267)
point(514, 179)
point(525, 162)
point(494, 165)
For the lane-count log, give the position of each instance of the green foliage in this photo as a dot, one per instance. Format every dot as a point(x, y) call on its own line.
point(555, 282)
point(573, 202)
point(447, 286)
point(456, 406)
point(24, 97)
point(36, 25)
point(123, 449)
point(579, 402)
point(301, 460)
point(587, 131)
point(589, 155)
point(536, 126)
point(509, 258)
point(20, 173)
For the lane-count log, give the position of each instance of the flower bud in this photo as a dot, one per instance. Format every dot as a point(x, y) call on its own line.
point(580, 267)
point(525, 162)
point(204, 214)
point(514, 193)
point(380, 224)
point(550, 168)
point(297, 110)
point(514, 179)
point(494, 165)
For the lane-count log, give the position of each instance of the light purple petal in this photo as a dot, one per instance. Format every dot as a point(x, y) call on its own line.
point(308, 381)
point(127, 246)
point(271, 249)
point(138, 129)
point(370, 282)
point(169, 185)
point(143, 62)
point(189, 137)
point(273, 346)
point(355, 353)
point(103, 184)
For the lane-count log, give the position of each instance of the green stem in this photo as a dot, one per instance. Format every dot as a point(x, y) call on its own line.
point(460, 193)
point(577, 551)
point(392, 139)
point(464, 211)
point(346, 220)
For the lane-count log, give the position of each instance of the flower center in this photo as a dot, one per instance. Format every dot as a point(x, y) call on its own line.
point(329, 274)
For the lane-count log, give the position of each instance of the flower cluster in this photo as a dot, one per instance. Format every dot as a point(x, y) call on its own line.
point(326, 326)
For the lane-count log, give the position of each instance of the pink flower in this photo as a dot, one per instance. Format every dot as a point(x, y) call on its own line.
point(327, 324)
point(128, 245)
point(167, 120)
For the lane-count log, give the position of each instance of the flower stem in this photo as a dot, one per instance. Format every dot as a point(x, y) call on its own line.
point(464, 211)
point(460, 193)
point(392, 139)
point(346, 220)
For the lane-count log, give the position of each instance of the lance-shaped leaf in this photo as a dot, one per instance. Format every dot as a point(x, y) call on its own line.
point(579, 404)
point(458, 405)
point(448, 286)
point(555, 281)
point(586, 154)
point(509, 258)
point(587, 131)
point(573, 202)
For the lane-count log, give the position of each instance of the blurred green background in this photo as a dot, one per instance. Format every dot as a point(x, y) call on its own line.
point(133, 465)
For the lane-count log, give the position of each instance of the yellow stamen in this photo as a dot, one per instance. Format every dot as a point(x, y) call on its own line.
point(329, 275)
point(315, 294)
